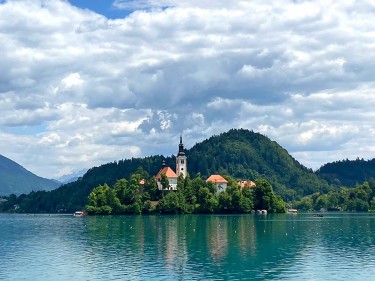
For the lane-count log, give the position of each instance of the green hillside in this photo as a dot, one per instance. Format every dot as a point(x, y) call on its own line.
point(14, 179)
point(240, 153)
point(248, 155)
point(348, 172)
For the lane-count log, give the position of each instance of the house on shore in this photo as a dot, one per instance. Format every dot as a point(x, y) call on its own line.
point(219, 181)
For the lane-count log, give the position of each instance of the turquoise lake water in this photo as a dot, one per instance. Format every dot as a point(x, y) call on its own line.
point(188, 247)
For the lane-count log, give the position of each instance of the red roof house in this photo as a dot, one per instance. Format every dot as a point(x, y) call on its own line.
point(219, 181)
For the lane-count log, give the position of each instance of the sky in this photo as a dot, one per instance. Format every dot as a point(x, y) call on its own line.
point(84, 83)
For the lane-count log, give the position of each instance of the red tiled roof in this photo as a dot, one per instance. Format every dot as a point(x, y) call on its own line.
point(216, 179)
point(244, 184)
point(166, 171)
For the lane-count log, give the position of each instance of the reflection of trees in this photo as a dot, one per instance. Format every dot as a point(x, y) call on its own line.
point(222, 246)
point(175, 241)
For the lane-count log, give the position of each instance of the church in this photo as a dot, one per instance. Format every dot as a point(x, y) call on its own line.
point(172, 176)
point(181, 169)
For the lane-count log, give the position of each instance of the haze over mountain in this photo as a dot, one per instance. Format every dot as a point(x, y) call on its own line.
point(72, 176)
point(15, 179)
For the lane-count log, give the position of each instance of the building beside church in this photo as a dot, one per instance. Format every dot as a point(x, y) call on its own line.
point(243, 184)
point(219, 181)
point(181, 169)
point(171, 176)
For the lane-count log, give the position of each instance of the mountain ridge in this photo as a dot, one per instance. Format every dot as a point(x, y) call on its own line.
point(15, 179)
point(68, 178)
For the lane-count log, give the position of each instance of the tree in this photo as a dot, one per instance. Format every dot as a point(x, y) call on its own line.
point(306, 204)
point(277, 205)
point(372, 206)
point(246, 205)
point(332, 200)
point(264, 198)
point(206, 200)
point(361, 205)
point(164, 182)
point(172, 203)
point(152, 189)
point(103, 200)
point(262, 195)
point(321, 202)
point(225, 202)
point(120, 189)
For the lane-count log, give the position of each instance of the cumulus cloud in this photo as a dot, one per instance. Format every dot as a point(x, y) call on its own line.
point(100, 89)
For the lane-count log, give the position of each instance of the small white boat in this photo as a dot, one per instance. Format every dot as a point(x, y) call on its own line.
point(292, 211)
point(79, 214)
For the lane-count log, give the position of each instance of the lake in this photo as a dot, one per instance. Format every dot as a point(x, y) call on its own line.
point(339, 246)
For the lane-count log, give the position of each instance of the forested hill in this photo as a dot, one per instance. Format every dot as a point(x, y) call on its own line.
point(348, 172)
point(240, 153)
point(15, 179)
point(247, 155)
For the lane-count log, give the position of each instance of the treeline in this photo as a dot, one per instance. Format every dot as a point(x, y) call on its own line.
point(128, 196)
point(347, 172)
point(360, 198)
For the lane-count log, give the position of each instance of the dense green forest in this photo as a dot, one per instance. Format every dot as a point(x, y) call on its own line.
point(239, 153)
point(244, 154)
point(192, 196)
point(360, 198)
point(347, 172)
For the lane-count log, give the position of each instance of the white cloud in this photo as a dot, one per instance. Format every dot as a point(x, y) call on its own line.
point(71, 80)
point(82, 90)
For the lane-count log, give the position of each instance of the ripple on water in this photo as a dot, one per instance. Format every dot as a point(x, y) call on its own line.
point(186, 248)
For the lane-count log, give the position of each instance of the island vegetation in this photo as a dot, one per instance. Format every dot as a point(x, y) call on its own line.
point(192, 196)
point(240, 153)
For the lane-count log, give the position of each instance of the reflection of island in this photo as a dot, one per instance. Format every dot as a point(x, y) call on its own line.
point(246, 236)
point(203, 247)
point(217, 230)
point(171, 242)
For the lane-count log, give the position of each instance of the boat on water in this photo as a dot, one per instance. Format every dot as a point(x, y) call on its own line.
point(79, 214)
point(318, 215)
point(262, 212)
point(292, 211)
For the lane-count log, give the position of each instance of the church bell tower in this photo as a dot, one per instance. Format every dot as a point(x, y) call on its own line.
point(181, 165)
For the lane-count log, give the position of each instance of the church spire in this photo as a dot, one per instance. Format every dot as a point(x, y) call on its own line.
point(181, 151)
point(181, 165)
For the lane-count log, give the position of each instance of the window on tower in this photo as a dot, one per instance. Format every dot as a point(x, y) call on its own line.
point(182, 161)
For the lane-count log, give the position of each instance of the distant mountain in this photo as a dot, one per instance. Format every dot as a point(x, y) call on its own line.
point(348, 172)
point(71, 177)
point(15, 179)
point(240, 153)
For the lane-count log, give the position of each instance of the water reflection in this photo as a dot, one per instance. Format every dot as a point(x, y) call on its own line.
point(191, 247)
